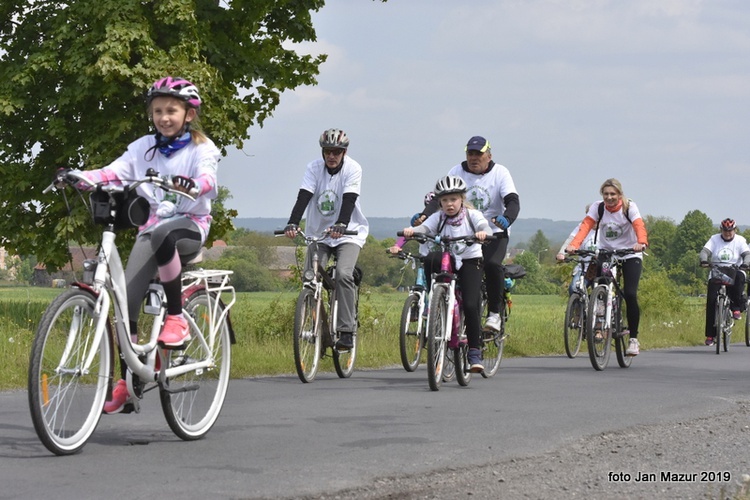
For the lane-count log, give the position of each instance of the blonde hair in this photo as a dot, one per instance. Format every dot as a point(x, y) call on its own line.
point(614, 183)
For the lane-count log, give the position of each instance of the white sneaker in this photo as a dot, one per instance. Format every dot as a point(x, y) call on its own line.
point(633, 348)
point(493, 322)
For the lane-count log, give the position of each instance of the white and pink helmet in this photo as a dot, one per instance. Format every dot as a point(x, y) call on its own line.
point(176, 87)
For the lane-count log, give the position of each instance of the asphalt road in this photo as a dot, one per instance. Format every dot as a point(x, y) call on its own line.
point(280, 438)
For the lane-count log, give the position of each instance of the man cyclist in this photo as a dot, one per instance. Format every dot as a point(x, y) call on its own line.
point(330, 194)
point(726, 248)
point(490, 189)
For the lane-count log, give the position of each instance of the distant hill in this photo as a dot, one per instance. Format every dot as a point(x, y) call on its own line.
point(386, 227)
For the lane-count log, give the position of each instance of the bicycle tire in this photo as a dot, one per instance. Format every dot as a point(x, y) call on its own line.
point(65, 404)
point(192, 401)
point(599, 348)
point(621, 341)
point(307, 335)
point(728, 325)
point(575, 317)
point(719, 321)
point(436, 343)
point(344, 361)
point(449, 365)
point(411, 339)
point(493, 343)
point(747, 323)
point(461, 355)
point(461, 360)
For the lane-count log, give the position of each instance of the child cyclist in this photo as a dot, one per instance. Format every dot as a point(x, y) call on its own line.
point(456, 218)
point(176, 227)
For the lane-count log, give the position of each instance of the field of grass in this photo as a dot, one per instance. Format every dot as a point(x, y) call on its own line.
point(263, 323)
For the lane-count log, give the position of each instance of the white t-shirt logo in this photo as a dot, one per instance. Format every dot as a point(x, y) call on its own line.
point(479, 197)
point(726, 255)
point(612, 231)
point(327, 202)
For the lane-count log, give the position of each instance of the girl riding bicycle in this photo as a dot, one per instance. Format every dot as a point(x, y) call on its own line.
point(458, 218)
point(176, 228)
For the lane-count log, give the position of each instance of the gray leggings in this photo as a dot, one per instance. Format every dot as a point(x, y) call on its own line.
point(178, 232)
point(346, 255)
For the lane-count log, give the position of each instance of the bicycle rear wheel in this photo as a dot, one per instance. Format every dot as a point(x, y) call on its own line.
point(598, 335)
point(436, 338)
point(461, 355)
point(575, 317)
point(193, 400)
point(65, 396)
point(621, 340)
point(411, 335)
point(343, 361)
point(307, 335)
point(493, 342)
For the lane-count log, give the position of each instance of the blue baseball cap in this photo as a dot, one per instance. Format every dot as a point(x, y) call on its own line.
point(478, 143)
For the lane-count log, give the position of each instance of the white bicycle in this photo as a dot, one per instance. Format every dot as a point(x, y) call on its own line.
point(72, 357)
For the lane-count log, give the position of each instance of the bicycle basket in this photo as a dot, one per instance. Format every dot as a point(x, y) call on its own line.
point(722, 275)
point(514, 271)
point(124, 210)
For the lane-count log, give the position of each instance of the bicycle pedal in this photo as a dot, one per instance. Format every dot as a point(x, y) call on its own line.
point(130, 408)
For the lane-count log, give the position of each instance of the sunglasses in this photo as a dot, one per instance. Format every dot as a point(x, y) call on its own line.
point(333, 152)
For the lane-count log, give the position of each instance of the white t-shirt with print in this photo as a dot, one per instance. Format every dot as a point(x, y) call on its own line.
point(459, 249)
point(615, 230)
point(727, 252)
point(193, 161)
point(486, 191)
point(325, 205)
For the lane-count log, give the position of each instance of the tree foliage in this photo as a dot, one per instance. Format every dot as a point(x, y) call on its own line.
point(73, 77)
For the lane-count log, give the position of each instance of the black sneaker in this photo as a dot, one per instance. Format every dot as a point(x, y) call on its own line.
point(345, 342)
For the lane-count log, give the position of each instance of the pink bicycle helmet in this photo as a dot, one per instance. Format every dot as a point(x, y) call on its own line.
point(171, 86)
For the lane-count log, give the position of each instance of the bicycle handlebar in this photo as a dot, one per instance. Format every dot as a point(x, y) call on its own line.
point(73, 177)
point(469, 238)
point(300, 232)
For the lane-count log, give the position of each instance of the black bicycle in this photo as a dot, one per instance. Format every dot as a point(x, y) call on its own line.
point(604, 323)
point(578, 303)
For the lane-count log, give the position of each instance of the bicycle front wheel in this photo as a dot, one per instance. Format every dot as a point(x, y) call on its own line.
point(461, 355)
point(436, 335)
point(411, 334)
point(598, 334)
point(574, 320)
point(720, 319)
point(193, 400)
point(307, 335)
point(747, 325)
point(66, 395)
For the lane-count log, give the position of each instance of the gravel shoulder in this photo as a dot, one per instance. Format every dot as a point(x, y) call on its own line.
point(702, 458)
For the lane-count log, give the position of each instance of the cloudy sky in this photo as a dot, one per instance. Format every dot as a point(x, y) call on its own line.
point(655, 93)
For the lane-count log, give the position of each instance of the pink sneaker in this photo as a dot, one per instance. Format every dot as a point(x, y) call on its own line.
point(119, 399)
point(174, 333)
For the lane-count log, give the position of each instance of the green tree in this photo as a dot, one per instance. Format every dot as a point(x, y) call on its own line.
point(73, 77)
point(682, 255)
point(661, 234)
point(539, 245)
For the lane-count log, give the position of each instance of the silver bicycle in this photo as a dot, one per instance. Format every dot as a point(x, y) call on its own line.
point(72, 357)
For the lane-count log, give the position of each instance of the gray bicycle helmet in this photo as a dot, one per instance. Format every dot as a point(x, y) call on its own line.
point(334, 138)
point(449, 184)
